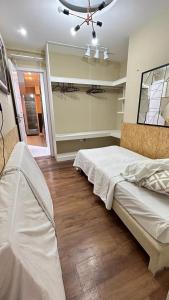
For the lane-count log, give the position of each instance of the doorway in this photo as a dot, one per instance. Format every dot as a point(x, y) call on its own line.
point(32, 93)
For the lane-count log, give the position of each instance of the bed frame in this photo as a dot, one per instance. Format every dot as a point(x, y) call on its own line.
point(153, 142)
point(158, 252)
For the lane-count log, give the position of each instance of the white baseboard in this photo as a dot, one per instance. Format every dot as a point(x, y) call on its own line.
point(66, 156)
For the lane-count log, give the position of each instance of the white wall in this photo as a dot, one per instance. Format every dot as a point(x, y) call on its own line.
point(148, 48)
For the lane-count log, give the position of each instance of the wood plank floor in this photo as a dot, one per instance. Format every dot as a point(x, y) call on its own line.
point(99, 257)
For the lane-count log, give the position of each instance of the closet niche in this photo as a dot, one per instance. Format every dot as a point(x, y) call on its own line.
point(85, 115)
point(87, 101)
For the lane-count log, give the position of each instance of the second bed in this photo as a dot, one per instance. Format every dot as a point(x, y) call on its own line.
point(144, 212)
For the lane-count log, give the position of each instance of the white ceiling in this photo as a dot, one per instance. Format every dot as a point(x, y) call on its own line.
point(43, 23)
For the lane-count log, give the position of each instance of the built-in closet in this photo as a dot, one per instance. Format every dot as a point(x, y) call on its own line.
point(87, 101)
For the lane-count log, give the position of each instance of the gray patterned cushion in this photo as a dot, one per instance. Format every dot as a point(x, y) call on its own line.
point(158, 182)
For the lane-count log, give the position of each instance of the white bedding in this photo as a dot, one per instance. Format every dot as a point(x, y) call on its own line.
point(150, 209)
point(22, 161)
point(29, 260)
point(103, 167)
point(141, 170)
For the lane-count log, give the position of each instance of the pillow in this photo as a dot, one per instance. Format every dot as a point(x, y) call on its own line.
point(137, 171)
point(158, 182)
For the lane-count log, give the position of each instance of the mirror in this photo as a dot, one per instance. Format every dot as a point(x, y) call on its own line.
point(154, 97)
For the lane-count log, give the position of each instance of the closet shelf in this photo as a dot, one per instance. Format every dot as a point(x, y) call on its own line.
point(122, 99)
point(87, 135)
point(120, 112)
point(116, 83)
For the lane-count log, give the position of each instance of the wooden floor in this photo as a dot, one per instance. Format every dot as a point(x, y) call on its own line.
point(36, 140)
point(99, 257)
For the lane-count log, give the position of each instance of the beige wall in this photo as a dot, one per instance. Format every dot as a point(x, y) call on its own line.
point(27, 63)
point(80, 67)
point(123, 69)
point(9, 129)
point(9, 120)
point(148, 48)
point(78, 112)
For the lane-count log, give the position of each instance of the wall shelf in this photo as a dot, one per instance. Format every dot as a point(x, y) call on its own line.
point(120, 82)
point(117, 83)
point(87, 135)
point(122, 99)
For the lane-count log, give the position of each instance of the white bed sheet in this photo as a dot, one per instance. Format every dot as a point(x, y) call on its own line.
point(29, 260)
point(103, 167)
point(149, 209)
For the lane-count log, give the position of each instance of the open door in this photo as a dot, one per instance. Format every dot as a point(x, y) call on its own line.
point(18, 101)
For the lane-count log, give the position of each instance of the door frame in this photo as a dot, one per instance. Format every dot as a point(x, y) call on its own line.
point(45, 103)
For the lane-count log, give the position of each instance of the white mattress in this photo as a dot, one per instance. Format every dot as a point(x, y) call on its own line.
point(29, 260)
point(149, 209)
point(103, 165)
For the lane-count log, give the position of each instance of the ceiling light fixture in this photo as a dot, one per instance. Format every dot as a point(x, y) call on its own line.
point(106, 55)
point(88, 51)
point(22, 31)
point(88, 19)
point(94, 39)
point(97, 53)
point(81, 5)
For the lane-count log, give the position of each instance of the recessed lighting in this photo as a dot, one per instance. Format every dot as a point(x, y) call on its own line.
point(22, 31)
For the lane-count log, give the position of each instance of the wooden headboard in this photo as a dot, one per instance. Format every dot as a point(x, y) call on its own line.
point(150, 141)
point(10, 140)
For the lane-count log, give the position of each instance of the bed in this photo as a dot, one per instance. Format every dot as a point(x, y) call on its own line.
point(145, 213)
point(29, 259)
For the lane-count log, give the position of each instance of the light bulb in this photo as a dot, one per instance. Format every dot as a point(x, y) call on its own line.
point(106, 55)
point(87, 53)
point(73, 32)
point(94, 41)
point(97, 53)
